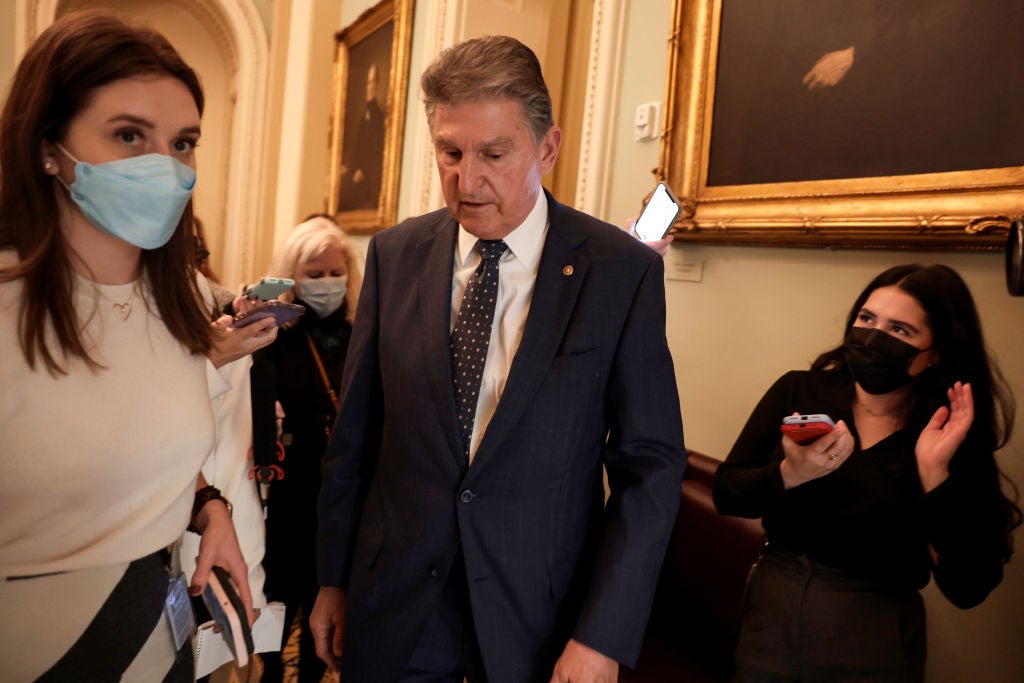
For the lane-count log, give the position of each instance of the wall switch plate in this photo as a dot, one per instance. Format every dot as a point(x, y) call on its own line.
point(645, 121)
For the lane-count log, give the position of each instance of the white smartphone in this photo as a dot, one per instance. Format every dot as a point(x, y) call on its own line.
point(657, 217)
point(270, 288)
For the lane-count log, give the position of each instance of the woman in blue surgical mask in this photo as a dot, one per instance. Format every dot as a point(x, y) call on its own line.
point(302, 371)
point(903, 489)
point(105, 382)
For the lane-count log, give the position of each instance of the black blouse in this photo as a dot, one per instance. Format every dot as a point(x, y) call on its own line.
point(869, 518)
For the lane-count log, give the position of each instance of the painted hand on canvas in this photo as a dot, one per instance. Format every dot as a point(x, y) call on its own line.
point(830, 69)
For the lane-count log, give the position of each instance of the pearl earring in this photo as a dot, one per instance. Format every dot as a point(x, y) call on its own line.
point(47, 165)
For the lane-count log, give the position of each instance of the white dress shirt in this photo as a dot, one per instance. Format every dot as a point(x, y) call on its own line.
point(517, 274)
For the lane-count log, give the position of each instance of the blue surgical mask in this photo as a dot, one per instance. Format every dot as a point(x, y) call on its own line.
point(324, 294)
point(139, 199)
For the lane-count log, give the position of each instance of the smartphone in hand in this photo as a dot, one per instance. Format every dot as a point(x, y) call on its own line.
point(281, 311)
point(805, 429)
point(226, 608)
point(658, 215)
point(269, 288)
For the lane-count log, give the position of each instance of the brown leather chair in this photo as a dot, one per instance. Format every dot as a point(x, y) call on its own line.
point(695, 619)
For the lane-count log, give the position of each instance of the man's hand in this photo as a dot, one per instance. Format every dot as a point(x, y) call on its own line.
point(327, 622)
point(581, 664)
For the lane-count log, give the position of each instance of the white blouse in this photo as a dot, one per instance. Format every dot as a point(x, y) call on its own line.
point(98, 467)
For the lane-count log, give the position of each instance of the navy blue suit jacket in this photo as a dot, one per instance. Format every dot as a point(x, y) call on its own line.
point(591, 385)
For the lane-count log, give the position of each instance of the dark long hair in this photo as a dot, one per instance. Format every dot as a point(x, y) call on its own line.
point(962, 356)
point(80, 52)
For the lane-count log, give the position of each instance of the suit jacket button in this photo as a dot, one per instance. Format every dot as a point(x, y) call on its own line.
point(433, 572)
point(466, 496)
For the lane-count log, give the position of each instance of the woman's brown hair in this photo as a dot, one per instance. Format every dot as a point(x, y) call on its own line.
point(80, 52)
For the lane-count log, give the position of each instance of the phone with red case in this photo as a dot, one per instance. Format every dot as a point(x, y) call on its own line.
point(805, 429)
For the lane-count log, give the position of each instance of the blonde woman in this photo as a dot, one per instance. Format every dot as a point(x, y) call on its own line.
point(302, 371)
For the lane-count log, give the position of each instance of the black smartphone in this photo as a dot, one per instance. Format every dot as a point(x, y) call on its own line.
point(281, 311)
point(226, 608)
point(658, 215)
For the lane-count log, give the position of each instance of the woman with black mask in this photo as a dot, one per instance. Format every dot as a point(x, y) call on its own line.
point(904, 488)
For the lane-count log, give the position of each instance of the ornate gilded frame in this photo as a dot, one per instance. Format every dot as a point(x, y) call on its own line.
point(962, 210)
point(398, 13)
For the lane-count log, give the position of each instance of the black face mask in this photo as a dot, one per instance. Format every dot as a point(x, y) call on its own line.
point(878, 361)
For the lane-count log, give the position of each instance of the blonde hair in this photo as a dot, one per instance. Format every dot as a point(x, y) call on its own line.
point(307, 241)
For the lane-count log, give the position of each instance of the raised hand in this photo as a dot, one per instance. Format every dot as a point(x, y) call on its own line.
point(943, 435)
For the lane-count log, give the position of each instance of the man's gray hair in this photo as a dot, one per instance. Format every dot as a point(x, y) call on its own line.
point(489, 68)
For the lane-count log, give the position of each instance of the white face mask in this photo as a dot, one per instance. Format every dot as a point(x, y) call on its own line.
point(324, 294)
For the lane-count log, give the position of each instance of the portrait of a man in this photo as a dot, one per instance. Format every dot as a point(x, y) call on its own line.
point(365, 116)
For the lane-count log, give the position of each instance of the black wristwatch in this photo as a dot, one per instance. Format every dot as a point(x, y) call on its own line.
point(204, 496)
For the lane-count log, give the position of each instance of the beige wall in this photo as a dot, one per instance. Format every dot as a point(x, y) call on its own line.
point(7, 55)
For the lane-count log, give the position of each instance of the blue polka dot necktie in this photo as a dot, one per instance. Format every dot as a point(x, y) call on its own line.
point(472, 335)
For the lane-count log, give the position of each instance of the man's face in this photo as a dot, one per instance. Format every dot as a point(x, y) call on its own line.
point(371, 83)
point(490, 165)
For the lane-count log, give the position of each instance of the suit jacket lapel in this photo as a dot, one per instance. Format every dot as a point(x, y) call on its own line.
point(563, 267)
point(433, 287)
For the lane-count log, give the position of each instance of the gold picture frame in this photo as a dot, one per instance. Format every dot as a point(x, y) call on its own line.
point(945, 209)
point(371, 82)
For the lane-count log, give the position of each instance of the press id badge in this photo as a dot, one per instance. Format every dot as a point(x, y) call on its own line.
point(178, 607)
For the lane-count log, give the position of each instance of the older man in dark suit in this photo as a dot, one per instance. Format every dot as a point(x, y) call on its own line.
point(464, 529)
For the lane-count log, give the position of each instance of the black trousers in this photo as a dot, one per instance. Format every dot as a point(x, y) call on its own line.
point(805, 622)
point(290, 565)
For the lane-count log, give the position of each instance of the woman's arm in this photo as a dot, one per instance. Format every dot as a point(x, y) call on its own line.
point(960, 513)
point(749, 481)
point(219, 546)
point(966, 537)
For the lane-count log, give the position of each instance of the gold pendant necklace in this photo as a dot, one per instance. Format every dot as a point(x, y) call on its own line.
point(874, 414)
point(124, 308)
